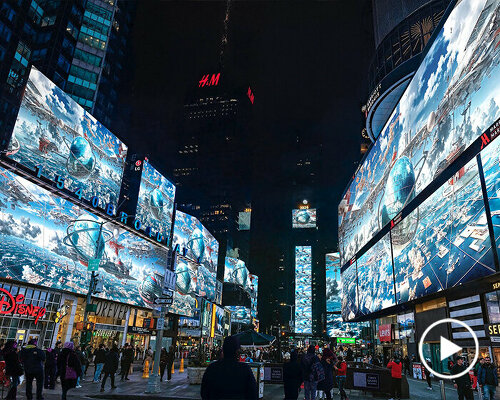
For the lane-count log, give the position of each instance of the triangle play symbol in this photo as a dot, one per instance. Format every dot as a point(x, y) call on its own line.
point(448, 348)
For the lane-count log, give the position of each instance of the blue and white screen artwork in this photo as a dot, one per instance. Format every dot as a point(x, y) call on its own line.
point(155, 204)
point(333, 285)
point(450, 243)
point(183, 304)
point(54, 133)
point(452, 98)
point(48, 241)
point(194, 279)
point(305, 218)
point(303, 289)
point(254, 293)
point(349, 282)
point(195, 241)
point(240, 314)
point(335, 327)
point(235, 271)
point(376, 278)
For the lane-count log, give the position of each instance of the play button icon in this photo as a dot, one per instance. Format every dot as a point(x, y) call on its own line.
point(448, 348)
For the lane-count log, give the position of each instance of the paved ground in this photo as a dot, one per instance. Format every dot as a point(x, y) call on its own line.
point(179, 389)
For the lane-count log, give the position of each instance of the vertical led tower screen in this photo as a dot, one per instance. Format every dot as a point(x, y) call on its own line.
point(452, 98)
point(349, 282)
point(55, 135)
point(254, 293)
point(303, 290)
point(333, 286)
point(155, 203)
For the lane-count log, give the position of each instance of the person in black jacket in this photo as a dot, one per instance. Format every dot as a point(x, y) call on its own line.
point(99, 360)
point(463, 383)
point(170, 362)
point(163, 362)
point(327, 361)
point(111, 366)
point(127, 360)
point(228, 378)
point(292, 377)
point(50, 369)
point(13, 367)
point(33, 358)
point(69, 368)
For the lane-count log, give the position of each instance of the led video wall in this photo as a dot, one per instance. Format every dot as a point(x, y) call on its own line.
point(194, 279)
point(450, 101)
point(254, 293)
point(304, 218)
point(195, 241)
point(303, 289)
point(218, 319)
point(235, 271)
point(64, 142)
point(349, 282)
point(240, 314)
point(183, 304)
point(48, 241)
point(155, 204)
point(333, 286)
point(335, 327)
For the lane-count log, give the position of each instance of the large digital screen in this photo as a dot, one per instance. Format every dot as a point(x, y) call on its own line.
point(183, 304)
point(450, 101)
point(376, 278)
point(244, 220)
point(195, 241)
point(304, 218)
point(254, 293)
point(206, 318)
point(450, 242)
point(54, 133)
point(218, 319)
point(333, 286)
point(48, 241)
point(335, 327)
point(194, 279)
point(155, 204)
point(235, 271)
point(349, 282)
point(239, 314)
point(303, 289)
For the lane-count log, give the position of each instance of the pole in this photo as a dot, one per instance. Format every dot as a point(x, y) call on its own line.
point(443, 393)
point(154, 378)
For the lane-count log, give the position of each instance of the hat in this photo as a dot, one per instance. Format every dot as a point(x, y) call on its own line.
point(230, 346)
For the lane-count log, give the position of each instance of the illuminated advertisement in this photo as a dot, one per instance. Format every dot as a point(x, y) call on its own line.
point(304, 218)
point(254, 293)
point(451, 243)
point(194, 279)
point(303, 290)
point(206, 318)
point(239, 314)
point(244, 219)
point(348, 280)
point(155, 204)
point(235, 271)
point(333, 288)
point(218, 318)
point(195, 241)
point(57, 139)
point(376, 278)
point(183, 304)
point(218, 292)
point(452, 98)
point(48, 241)
point(490, 158)
point(335, 327)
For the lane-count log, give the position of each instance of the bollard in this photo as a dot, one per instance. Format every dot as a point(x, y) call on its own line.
point(443, 392)
point(181, 368)
point(145, 372)
point(173, 369)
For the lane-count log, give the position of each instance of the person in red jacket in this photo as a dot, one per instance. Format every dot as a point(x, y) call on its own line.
point(396, 367)
point(341, 372)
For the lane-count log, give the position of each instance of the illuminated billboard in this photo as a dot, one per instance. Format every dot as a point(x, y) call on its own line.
point(490, 158)
point(48, 241)
point(218, 319)
point(239, 314)
point(450, 101)
point(235, 271)
point(333, 287)
point(254, 293)
point(155, 204)
point(183, 304)
point(376, 278)
point(304, 218)
point(335, 327)
point(303, 290)
point(195, 241)
point(244, 219)
point(348, 280)
point(57, 139)
point(194, 279)
point(451, 243)
point(206, 318)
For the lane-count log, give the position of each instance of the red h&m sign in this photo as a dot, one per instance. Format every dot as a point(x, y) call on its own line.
point(385, 333)
point(14, 305)
point(250, 95)
point(209, 80)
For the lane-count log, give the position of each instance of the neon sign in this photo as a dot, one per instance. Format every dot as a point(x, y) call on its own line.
point(250, 95)
point(209, 80)
point(14, 305)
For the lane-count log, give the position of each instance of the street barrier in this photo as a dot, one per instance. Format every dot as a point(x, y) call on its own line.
point(181, 368)
point(145, 372)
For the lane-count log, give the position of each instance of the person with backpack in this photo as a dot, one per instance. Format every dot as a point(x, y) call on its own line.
point(341, 373)
point(327, 362)
point(487, 377)
point(68, 368)
point(396, 367)
point(313, 372)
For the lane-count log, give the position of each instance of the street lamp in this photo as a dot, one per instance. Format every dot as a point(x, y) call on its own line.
point(292, 306)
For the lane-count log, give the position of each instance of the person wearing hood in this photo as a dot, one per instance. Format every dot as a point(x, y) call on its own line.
point(310, 383)
point(328, 362)
point(13, 367)
point(50, 368)
point(110, 367)
point(33, 358)
point(69, 368)
point(396, 367)
point(292, 376)
point(228, 378)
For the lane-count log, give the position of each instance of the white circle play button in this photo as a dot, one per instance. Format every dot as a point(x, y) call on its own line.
point(448, 348)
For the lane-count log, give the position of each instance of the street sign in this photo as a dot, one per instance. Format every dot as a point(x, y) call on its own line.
point(164, 300)
point(346, 340)
point(169, 279)
point(160, 323)
point(167, 293)
point(93, 264)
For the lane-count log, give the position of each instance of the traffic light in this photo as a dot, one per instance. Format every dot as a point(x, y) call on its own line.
point(98, 285)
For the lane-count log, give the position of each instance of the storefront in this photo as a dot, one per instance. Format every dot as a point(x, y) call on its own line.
point(28, 313)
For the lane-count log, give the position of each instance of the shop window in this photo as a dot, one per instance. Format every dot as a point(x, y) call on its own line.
point(493, 306)
point(431, 305)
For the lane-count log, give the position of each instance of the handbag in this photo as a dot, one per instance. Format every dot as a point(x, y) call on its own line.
point(70, 371)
